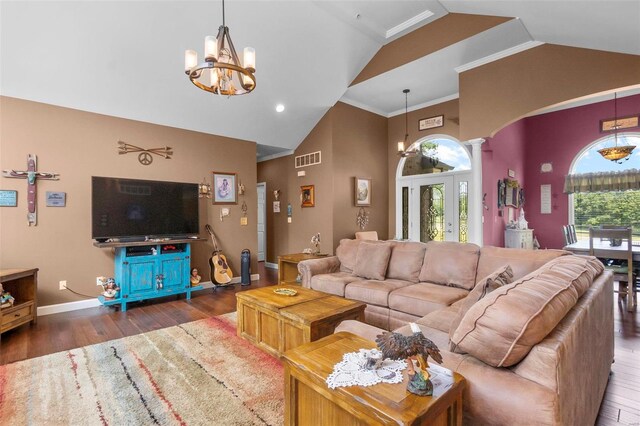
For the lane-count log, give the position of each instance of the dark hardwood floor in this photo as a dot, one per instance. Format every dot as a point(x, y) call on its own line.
point(54, 333)
point(59, 332)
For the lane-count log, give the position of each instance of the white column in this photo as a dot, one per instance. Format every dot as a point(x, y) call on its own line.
point(475, 202)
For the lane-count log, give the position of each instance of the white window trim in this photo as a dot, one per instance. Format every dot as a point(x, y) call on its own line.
point(571, 200)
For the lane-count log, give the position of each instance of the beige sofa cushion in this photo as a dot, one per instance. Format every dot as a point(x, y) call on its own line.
point(503, 327)
point(451, 264)
point(372, 260)
point(406, 260)
point(347, 251)
point(373, 291)
point(333, 283)
point(522, 261)
point(423, 298)
point(501, 276)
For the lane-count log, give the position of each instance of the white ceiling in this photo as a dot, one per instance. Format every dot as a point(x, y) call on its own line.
point(125, 59)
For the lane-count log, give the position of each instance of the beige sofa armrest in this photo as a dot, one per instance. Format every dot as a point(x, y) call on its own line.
point(311, 267)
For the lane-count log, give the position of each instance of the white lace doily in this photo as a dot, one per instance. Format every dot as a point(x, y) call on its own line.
point(351, 371)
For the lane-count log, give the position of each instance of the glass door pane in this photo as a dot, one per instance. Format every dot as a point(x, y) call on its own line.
point(463, 211)
point(432, 212)
point(405, 212)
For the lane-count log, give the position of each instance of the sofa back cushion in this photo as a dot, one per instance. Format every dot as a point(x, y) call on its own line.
point(449, 263)
point(503, 327)
point(522, 261)
point(372, 260)
point(406, 260)
point(500, 277)
point(347, 251)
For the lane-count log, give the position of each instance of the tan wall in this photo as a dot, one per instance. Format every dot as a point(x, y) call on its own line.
point(359, 150)
point(79, 145)
point(501, 92)
point(396, 129)
point(353, 143)
point(280, 173)
point(443, 32)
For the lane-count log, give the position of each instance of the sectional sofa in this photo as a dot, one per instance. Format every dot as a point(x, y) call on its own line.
point(537, 350)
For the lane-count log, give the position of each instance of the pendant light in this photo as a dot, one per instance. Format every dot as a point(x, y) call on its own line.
point(402, 152)
point(617, 154)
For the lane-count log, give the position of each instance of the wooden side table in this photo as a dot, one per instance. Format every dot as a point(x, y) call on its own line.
point(308, 399)
point(288, 266)
point(23, 286)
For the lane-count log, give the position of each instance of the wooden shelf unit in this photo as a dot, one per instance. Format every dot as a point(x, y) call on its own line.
point(23, 286)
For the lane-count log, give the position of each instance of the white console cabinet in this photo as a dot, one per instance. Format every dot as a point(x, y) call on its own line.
point(518, 238)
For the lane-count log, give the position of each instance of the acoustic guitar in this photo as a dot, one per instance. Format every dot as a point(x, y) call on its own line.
point(221, 274)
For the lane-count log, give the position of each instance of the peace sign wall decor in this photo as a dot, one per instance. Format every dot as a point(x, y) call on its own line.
point(144, 157)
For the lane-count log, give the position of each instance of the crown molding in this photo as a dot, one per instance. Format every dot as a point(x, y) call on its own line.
point(498, 55)
point(357, 104)
point(425, 104)
point(408, 23)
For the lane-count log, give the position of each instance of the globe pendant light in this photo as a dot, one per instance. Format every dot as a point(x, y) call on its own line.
point(222, 72)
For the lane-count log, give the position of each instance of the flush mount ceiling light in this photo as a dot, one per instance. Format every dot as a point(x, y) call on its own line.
point(279, 108)
point(616, 153)
point(222, 72)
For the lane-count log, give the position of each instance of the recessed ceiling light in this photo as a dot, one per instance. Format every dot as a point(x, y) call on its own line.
point(279, 107)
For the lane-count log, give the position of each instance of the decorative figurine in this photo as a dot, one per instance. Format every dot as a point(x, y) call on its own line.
point(416, 346)
point(195, 278)
point(6, 299)
point(159, 282)
point(315, 240)
point(522, 222)
point(110, 288)
point(241, 188)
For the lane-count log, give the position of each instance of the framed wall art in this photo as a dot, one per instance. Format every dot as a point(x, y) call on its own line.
point(431, 122)
point(362, 192)
point(8, 198)
point(56, 199)
point(307, 196)
point(224, 188)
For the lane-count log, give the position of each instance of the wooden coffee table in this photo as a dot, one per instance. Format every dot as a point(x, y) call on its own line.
point(308, 399)
point(277, 323)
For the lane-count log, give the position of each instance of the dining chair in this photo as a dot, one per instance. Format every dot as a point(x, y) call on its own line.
point(367, 235)
point(572, 234)
point(565, 234)
point(623, 273)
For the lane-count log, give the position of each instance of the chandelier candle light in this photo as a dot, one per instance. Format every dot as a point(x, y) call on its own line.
point(401, 145)
point(222, 72)
point(616, 153)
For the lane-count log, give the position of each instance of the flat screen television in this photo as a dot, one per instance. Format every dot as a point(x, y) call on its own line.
point(130, 209)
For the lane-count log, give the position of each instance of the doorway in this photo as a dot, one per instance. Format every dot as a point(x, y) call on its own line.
point(262, 222)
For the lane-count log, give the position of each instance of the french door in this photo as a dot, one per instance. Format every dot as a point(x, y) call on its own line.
point(434, 208)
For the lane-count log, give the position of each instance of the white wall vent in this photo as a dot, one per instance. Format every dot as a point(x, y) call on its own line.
point(308, 159)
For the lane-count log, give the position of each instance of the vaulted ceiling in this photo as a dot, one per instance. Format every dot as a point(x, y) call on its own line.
point(125, 59)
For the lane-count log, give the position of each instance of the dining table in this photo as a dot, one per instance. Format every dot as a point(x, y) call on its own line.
point(582, 247)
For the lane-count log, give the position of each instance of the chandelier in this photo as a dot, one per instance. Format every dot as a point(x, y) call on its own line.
point(616, 153)
point(222, 72)
point(430, 152)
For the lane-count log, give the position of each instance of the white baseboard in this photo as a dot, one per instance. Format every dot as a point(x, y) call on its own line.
point(270, 265)
point(92, 303)
point(66, 307)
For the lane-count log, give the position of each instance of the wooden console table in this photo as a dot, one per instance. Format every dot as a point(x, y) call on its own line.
point(308, 399)
point(23, 286)
point(277, 323)
point(288, 266)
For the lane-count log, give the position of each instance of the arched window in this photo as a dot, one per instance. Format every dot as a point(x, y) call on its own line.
point(605, 208)
point(437, 155)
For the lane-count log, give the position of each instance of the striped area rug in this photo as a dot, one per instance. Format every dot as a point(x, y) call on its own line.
point(198, 373)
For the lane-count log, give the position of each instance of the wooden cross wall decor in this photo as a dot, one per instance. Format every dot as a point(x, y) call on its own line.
point(32, 176)
point(145, 157)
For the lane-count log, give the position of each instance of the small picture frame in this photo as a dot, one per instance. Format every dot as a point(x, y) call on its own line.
point(8, 198)
point(511, 173)
point(362, 192)
point(56, 199)
point(609, 125)
point(224, 188)
point(276, 206)
point(431, 122)
point(307, 196)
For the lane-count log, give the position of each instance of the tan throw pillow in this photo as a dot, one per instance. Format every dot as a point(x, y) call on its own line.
point(501, 329)
point(406, 261)
point(450, 263)
point(346, 252)
point(372, 260)
point(499, 277)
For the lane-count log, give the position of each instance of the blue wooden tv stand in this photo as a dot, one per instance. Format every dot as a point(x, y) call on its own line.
point(150, 269)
